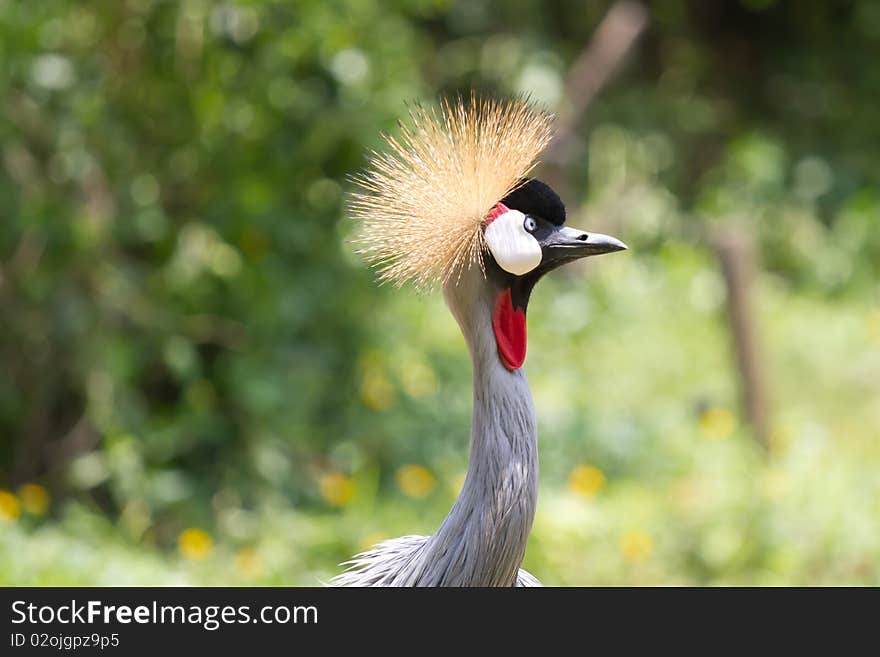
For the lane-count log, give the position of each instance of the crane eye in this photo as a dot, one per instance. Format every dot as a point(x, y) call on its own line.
point(530, 224)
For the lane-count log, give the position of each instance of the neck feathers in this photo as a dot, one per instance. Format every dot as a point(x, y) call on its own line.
point(483, 539)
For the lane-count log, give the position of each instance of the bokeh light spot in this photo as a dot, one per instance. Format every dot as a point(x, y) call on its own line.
point(377, 392)
point(10, 508)
point(195, 544)
point(336, 489)
point(586, 480)
point(415, 480)
point(636, 545)
point(717, 423)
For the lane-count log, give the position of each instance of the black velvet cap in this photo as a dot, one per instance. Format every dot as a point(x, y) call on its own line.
point(536, 198)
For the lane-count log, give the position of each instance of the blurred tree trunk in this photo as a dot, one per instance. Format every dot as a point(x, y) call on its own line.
point(594, 67)
point(734, 246)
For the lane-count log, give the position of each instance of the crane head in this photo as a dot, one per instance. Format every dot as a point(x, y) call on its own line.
point(526, 238)
point(451, 195)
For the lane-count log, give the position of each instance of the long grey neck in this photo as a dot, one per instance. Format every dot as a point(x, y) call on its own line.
point(483, 539)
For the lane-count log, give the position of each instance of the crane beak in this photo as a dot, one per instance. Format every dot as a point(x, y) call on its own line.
point(567, 244)
point(559, 245)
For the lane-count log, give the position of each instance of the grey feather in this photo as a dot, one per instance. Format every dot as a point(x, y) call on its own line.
point(381, 565)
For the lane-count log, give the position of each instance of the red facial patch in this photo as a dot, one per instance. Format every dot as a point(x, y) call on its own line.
point(510, 331)
point(497, 211)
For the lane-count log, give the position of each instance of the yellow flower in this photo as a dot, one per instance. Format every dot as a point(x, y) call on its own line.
point(636, 545)
point(586, 480)
point(377, 392)
point(336, 488)
point(10, 509)
point(34, 499)
point(248, 563)
point(195, 543)
point(717, 423)
point(415, 480)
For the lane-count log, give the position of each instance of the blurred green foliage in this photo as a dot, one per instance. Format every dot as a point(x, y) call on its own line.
point(203, 384)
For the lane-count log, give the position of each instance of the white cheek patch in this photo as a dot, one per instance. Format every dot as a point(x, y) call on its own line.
point(513, 248)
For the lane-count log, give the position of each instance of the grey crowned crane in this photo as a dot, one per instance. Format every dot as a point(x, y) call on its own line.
point(450, 204)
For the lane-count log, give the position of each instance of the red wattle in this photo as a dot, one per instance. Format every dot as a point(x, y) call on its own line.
point(510, 331)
